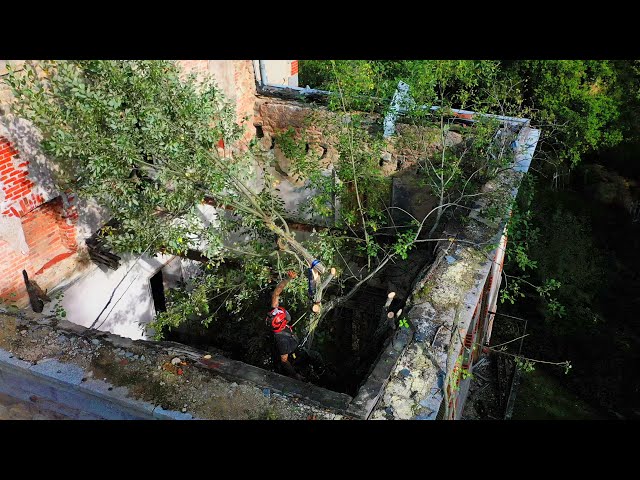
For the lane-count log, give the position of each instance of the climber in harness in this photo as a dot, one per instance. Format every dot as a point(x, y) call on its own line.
point(279, 321)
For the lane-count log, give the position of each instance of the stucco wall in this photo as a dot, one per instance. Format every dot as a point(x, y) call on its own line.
point(131, 308)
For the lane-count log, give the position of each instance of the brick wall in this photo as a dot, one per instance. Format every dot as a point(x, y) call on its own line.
point(17, 196)
point(49, 228)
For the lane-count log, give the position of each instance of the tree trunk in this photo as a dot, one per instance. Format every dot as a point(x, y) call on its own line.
point(295, 245)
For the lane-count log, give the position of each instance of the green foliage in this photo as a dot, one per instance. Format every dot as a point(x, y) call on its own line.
point(582, 105)
point(405, 241)
point(370, 84)
point(238, 288)
point(402, 323)
point(355, 186)
point(568, 253)
point(511, 292)
point(465, 374)
point(527, 365)
point(579, 98)
point(141, 139)
point(360, 84)
point(455, 83)
point(524, 364)
point(522, 232)
point(137, 138)
point(58, 309)
point(293, 149)
point(562, 267)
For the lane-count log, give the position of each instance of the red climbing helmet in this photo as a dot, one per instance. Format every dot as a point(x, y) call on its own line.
point(277, 319)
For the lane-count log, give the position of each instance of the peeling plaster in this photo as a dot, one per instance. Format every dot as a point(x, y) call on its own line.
point(11, 232)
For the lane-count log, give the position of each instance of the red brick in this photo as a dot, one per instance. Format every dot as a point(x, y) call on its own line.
point(12, 189)
point(18, 191)
point(42, 234)
point(25, 185)
point(10, 148)
point(21, 192)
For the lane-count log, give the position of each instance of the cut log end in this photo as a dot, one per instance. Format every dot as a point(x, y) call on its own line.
point(391, 315)
point(315, 308)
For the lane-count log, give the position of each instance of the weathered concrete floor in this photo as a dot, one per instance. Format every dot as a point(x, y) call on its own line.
point(139, 370)
point(14, 409)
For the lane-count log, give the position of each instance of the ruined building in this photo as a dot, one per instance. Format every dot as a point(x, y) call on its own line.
point(98, 363)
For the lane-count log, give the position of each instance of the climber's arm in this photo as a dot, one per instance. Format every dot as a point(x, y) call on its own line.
point(275, 297)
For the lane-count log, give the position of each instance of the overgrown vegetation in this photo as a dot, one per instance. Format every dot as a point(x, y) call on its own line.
point(569, 265)
point(145, 142)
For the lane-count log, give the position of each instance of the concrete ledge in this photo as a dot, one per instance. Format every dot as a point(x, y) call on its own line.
point(369, 393)
point(240, 371)
point(88, 374)
point(57, 387)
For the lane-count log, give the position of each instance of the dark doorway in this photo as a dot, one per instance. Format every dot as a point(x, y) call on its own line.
point(157, 291)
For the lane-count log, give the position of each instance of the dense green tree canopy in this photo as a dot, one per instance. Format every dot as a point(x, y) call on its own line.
point(583, 105)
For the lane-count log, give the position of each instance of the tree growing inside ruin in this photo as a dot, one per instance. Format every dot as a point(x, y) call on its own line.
point(152, 145)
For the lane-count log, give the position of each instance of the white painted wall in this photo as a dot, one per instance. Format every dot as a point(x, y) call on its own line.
point(279, 73)
point(132, 305)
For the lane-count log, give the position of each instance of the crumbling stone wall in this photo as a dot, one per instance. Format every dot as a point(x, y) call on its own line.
point(449, 309)
point(399, 158)
point(274, 116)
